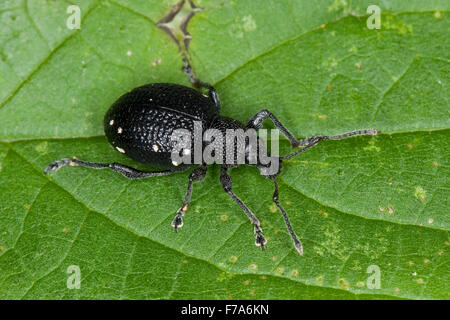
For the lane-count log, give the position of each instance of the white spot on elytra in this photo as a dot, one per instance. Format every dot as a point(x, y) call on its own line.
point(119, 130)
point(120, 150)
point(175, 163)
point(155, 148)
point(186, 152)
point(111, 122)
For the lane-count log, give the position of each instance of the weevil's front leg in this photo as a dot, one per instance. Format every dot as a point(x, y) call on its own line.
point(315, 139)
point(257, 120)
point(227, 183)
point(312, 141)
point(212, 93)
point(297, 243)
point(126, 171)
point(196, 175)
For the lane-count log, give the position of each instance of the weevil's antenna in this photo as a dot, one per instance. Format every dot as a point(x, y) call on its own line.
point(312, 141)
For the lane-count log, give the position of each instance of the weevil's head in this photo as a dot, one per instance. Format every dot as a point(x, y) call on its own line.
point(271, 168)
point(256, 155)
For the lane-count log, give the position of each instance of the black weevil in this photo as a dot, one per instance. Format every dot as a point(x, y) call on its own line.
point(140, 125)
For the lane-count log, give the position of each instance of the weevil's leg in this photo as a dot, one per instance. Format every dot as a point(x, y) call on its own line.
point(312, 141)
point(212, 93)
point(257, 120)
point(126, 171)
point(297, 243)
point(226, 181)
point(196, 175)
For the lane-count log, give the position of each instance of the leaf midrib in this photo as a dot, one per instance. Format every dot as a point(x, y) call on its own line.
point(292, 187)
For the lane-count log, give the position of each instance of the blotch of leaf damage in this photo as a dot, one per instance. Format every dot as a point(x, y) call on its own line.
point(42, 148)
point(319, 279)
point(253, 267)
point(344, 284)
point(372, 146)
point(279, 271)
point(273, 208)
point(420, 194)
point(175, 23)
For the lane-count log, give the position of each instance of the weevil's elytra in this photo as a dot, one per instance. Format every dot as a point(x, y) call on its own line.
point(140, 125)
point(144, 119)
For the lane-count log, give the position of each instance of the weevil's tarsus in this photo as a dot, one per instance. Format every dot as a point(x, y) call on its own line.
point(227, 184)
point(260, 241)
point(196, 175)
point(312, 141)
point(126, 171)
point(56, 165)
point(177, 222)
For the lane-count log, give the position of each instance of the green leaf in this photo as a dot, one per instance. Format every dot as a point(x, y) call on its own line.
point(358, 203)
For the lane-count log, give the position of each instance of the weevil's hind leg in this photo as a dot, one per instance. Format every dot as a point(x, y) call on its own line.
point(196, 175)
point(212, 93)
point(227, 183)
point(312, 141)
point(297, 243)
point(257, 120)
point(126, 171)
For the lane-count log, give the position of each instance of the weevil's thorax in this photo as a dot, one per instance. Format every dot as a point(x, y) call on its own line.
point(223, 124)
point(239, 145)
